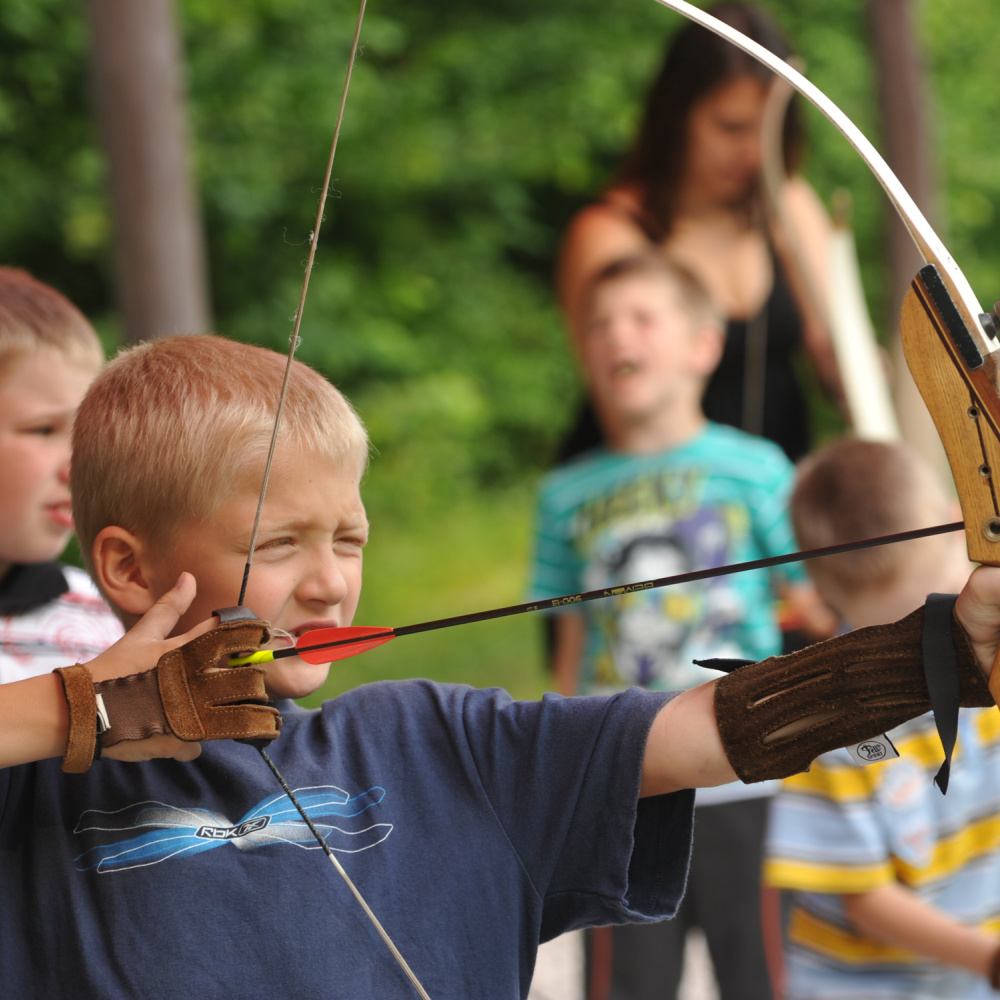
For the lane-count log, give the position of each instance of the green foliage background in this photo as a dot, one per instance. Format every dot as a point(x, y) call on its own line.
point(473, 132)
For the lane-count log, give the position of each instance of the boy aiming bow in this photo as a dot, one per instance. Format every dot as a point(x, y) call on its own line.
point(473, 825)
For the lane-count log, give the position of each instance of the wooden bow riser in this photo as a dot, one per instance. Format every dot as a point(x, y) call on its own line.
point(965, 405)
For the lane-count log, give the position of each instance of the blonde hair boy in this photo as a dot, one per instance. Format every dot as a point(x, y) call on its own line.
point(35, 318)
point(199, 436)
point(507, 822)
point(48, 355)
point(651, 338)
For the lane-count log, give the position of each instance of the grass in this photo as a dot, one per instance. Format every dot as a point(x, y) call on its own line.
point(469, 558)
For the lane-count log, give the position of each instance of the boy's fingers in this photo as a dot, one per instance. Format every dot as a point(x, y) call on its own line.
point(978, 610)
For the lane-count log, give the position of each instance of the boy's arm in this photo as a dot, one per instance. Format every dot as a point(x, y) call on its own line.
point(685, 750)
point(895, 915)
point(570, 635)
point(34, 716)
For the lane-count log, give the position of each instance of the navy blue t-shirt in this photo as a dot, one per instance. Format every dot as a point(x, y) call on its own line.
point(473, 825)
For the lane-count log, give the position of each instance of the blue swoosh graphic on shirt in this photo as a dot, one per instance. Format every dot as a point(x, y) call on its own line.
point(162, 831)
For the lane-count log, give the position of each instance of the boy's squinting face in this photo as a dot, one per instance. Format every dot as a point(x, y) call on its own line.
point(306, 570)
point(38, 399)
point(640, 349)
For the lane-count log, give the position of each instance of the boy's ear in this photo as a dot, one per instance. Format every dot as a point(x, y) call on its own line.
point(119, 565)
point(707, 349)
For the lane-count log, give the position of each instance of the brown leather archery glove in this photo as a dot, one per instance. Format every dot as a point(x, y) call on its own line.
point(186, 695)
point(777, 716)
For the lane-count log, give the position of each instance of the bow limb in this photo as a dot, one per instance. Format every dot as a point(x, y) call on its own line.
point(951, 356)
point(927, 241)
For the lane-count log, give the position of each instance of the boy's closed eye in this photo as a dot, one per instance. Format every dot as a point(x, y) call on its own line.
point(274, 543)
point(276, 547)
point(46, 428)
point(350, 545)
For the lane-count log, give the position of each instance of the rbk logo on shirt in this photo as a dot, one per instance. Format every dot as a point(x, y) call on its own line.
point(150, 832)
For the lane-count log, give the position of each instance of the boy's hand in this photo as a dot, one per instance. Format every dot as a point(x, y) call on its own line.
point(978, 611)
point(143, 645)
point(140, 649)
point(191, 696)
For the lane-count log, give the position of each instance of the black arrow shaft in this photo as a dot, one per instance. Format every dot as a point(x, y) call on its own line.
point(569, 600)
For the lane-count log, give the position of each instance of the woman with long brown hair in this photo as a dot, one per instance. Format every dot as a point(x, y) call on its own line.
point(692, 187)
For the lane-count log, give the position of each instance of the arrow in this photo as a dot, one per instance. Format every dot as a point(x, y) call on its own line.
point(325, 645)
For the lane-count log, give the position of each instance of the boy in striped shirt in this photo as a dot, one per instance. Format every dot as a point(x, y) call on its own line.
point(895, 887)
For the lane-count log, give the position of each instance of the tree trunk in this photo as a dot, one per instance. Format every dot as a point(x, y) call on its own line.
point(162, 288)
point(902, 100)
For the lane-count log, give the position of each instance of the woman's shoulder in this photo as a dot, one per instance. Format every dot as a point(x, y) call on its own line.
point(802, 206)
point(596, 236)
point(615, 216)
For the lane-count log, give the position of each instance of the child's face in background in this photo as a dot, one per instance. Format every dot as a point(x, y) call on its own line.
point(306, 570)
point(38, 399)
point(639, 347)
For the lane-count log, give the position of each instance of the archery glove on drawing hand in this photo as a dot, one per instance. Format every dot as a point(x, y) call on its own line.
point(184, 695)
point(777, 716)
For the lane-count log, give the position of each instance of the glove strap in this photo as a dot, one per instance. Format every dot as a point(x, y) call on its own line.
point(941, 674)
point(135, 710)
point(81, 739)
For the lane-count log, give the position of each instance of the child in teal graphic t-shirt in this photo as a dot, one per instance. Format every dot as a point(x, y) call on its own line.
point(670, 493)
point(612, 518)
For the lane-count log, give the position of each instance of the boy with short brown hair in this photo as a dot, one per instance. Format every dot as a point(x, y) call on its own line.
point(671, 493)
point(501, 823)
point(896, 888)
point(49, 353)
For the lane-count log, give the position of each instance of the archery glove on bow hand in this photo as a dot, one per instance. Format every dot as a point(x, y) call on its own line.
point(777, 716)
point(185, 695)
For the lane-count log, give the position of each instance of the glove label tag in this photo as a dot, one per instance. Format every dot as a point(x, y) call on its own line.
point(872, 751)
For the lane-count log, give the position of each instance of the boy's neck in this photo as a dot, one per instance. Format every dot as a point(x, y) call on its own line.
point(937, 569)
point(645, 436)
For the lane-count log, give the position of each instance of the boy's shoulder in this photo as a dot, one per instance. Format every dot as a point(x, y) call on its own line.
point(83, 600)
point(740, 450)
point(835, 778)
point(717, 450)
point(42, 586)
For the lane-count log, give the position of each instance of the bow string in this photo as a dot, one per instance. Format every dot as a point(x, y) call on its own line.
point(293, 345)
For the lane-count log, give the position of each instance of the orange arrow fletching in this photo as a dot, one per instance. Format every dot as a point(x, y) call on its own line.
point(315, 646)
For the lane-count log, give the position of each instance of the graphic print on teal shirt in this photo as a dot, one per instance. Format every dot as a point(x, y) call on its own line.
point(610, 519)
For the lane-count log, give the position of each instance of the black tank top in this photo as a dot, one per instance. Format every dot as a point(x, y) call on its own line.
point(785, 418)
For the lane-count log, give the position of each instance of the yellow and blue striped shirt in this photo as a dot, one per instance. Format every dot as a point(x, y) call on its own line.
point(840, 829)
